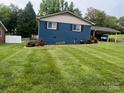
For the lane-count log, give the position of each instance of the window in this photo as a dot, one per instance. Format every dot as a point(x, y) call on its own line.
point(76, 28)
point(52, 25)
point(0, 33)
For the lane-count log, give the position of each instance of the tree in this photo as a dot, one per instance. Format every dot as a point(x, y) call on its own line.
point(54, 6)
point(20, 21)
point(96, 16)
point(121, 21)
point(66, 8)
point(77, 12)
point(26, 21)
point(100, 18)
point(71, 7)
point(5, 14)
point(8, 15)
point(110, 21)
point(62, 5)
point(13, 19)
point(49, 7)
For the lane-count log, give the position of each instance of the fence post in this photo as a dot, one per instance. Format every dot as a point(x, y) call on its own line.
point(116, 38)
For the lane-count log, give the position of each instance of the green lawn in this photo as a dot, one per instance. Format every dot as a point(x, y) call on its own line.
point(121, 36)
point(62, 69)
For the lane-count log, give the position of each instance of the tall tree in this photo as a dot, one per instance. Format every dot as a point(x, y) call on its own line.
point(26, 21)
point(71, 7)
point(66, 8)
point(121, 21)
point(13, 19)
point(8, 15)
point(5, 15)
point(110, 21)
point(20, 23)
point(77, 12)
point(96, 16)
point(62, 5)
point(49, 7)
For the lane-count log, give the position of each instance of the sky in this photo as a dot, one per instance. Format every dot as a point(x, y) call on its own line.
point(111, 7)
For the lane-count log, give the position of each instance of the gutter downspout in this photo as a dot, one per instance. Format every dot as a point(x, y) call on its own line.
point(38, 28)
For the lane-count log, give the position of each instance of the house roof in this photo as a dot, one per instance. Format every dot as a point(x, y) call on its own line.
point(3, 26)
point(104, 29)
point(64, 12)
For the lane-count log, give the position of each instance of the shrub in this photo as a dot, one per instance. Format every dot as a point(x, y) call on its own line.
point(30, 44)
point(92, 40)
point(38, 42)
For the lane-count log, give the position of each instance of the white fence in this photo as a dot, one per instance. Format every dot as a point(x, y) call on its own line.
point(13, 39)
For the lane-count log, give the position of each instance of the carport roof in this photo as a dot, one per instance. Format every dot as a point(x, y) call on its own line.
point(104, 29)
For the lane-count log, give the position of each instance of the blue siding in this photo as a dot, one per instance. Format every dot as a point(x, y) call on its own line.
point(63, 33)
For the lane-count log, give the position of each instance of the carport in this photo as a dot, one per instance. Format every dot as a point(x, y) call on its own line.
point(99, 31)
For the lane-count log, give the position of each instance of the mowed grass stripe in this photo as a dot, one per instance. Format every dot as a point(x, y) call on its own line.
point(111, 50)
point(101, 54)
point(94, 61)
point(62, 69)
point(66, 61)
point(11, 69)
point(105, 58)
point(8, 50)
point(91, 78)
point(42, 72)
point(108, 57)
point(38, 72)
point(107, 70)
point(77, 73)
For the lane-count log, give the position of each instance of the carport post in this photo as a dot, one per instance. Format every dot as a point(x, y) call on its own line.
point(116, 38)
point(108, 39)
point(94, 33)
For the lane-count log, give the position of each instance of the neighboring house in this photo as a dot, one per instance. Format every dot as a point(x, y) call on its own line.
point(64, 27)
point(2, 33)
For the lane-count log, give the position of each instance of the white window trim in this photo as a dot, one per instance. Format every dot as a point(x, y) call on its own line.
point(76, 30)
point(52, 28)
point(1, 33)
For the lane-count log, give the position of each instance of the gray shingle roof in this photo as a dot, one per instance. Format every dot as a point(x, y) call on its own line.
point(104, 29)
point(59, 13)
point(3, 26)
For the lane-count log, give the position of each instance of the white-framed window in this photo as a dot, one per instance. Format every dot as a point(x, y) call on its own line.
point(76, 27)
point(52, 25)
point(0, 33)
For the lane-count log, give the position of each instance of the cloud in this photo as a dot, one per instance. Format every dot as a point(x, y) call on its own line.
point(109, 6)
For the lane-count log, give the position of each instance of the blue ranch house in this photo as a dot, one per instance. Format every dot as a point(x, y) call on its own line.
point(63, 27)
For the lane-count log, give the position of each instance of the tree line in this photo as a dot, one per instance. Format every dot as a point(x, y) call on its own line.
point(100, 18)
point(53, 6)
point(19, 21)
point(23, 21)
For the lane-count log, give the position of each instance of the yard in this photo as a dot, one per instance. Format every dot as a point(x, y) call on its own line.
point(121, 36)
point(62, 69)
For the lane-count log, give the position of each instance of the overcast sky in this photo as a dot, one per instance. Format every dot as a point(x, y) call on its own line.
point(111, 7)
